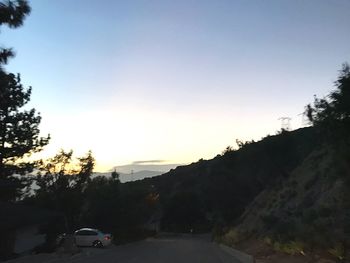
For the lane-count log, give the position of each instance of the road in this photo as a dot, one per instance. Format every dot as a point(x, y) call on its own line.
point(171, 249)
point(166, 249)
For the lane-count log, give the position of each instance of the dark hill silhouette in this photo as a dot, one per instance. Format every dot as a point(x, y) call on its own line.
point(221, 188)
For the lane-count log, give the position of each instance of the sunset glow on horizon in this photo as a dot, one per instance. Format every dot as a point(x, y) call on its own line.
point(174, 80)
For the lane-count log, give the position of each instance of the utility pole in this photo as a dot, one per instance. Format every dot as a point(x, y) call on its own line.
point(285, 123)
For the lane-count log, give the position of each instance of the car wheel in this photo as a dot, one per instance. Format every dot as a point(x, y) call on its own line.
point(97, 243)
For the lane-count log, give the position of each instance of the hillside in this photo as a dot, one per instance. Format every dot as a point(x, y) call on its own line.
point(217, 191)
point(285, 189)
point(308, 205)
point(306, 214)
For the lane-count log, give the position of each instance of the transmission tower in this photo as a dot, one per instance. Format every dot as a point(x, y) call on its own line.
point(304, 120)
point(285, 123)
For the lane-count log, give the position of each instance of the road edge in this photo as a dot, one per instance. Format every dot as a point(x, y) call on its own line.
point(241, 256)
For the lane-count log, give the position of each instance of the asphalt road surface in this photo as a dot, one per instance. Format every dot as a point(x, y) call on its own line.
point(171, 249)
point(165, 249)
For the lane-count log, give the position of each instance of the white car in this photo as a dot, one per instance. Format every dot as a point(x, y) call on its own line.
point(92, 237)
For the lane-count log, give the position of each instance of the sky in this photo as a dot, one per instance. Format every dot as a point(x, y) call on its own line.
point(176, 81)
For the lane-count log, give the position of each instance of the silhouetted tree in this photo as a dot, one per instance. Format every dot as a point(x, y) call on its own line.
point(115, 175)
point(86, 167)
point(183, 212)
point(102, 202)
point(19, 129)
point(12, 14)
point(62, 184)
point(332, 113)
point(241, 144)
point(228, 149)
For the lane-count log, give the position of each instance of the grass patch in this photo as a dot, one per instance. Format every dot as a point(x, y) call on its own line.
point(338, 251)
point(290, 248)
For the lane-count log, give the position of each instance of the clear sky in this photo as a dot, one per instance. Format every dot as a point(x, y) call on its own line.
point(173, 80)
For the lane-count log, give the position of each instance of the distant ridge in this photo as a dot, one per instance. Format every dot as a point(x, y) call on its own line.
point(138, 175)
point(136, 167)
point(128, 177)
point(139, 170)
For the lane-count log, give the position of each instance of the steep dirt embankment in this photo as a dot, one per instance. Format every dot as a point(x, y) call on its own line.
point(305, 214)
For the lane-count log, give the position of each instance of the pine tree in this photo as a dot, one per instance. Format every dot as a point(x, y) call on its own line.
point(12, 14)
point(19, 129)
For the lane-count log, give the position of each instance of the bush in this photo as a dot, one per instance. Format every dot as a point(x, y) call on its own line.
point(311, 182)
point(231, 238)
point(286, 229)
point(269, 220)
point(309, 216)
point(290, 248)
point(338, 251)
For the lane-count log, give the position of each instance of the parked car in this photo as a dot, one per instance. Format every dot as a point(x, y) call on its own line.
point(92, 237)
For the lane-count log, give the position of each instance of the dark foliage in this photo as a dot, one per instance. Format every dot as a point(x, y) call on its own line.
point(63, 185)
point(332, 113)
point(19, 129)
point(183, 212)
point(12, 14)
point(218, 190)
point(67, 185)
